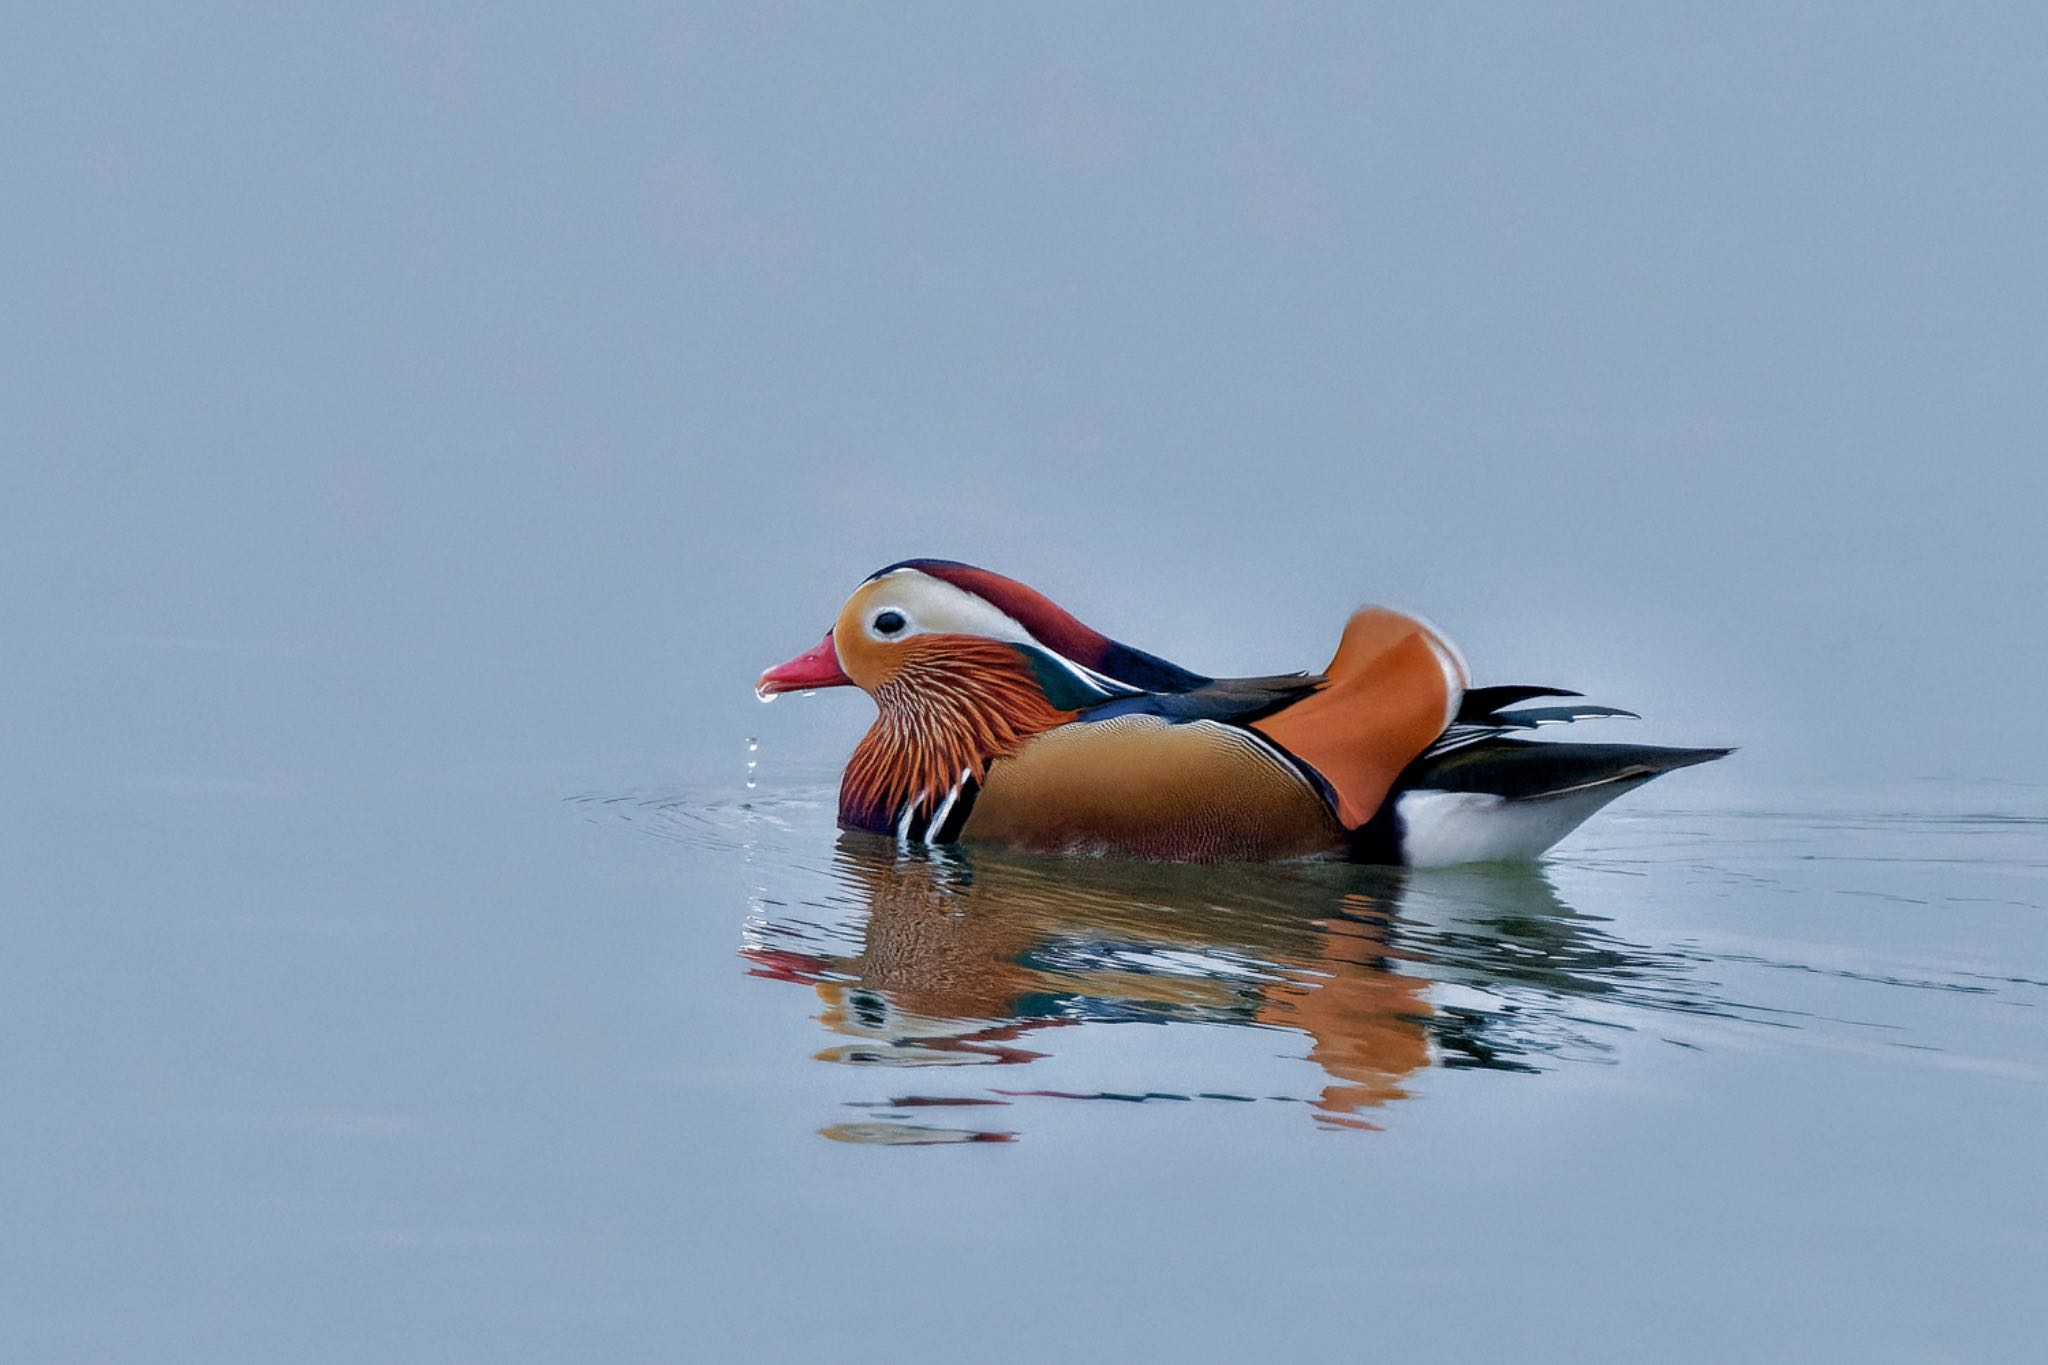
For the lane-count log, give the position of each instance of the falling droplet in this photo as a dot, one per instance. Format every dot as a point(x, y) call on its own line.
point(752, 744)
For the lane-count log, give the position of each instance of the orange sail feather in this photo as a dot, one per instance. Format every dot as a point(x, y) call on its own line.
point(1390, 691)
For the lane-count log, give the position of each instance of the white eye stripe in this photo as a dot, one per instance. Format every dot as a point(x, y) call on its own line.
point(931, 606)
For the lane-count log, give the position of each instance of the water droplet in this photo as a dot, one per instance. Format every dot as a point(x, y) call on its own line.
point(752, 744)
point(765, 695)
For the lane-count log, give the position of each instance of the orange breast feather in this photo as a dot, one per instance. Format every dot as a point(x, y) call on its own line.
point(1392, 689)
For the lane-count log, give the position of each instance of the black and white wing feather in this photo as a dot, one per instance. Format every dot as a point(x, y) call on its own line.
point(1484, 714)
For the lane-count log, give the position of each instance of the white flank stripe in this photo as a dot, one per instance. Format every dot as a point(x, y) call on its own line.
point(932, 830)
point(1101, 680)
point(1106, 688)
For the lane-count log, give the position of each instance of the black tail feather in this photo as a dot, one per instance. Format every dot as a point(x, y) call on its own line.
point(1480, 703)
point(1521, 770)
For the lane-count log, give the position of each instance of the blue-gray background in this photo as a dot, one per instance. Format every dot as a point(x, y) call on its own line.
point(403, 400)
point(510, 377)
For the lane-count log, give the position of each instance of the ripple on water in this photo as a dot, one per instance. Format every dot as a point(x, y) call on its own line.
point(945, 963)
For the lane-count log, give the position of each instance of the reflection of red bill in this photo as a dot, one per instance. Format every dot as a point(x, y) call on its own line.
point(778, 964)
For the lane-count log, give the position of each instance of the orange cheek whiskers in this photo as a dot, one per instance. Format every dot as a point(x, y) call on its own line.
point(948, 709)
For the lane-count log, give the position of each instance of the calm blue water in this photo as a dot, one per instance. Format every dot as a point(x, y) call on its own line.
point(507, 1066)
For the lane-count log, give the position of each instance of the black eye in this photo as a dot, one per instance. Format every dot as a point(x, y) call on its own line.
point(889, 622)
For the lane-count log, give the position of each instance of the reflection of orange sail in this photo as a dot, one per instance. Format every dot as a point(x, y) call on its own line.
point(1367, 1021)
point(960, 959)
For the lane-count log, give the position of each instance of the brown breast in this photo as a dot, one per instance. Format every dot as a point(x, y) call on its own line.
point(1143, 787)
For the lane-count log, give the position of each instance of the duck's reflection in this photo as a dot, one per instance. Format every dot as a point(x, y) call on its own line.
point(974, 959)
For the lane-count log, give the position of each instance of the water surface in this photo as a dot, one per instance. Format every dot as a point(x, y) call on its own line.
point(931, 967)
point(512, 1065)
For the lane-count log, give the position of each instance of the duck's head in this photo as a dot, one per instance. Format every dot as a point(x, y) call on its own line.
point(931, 618)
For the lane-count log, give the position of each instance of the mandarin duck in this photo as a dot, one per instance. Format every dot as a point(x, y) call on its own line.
point(1002, 719)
